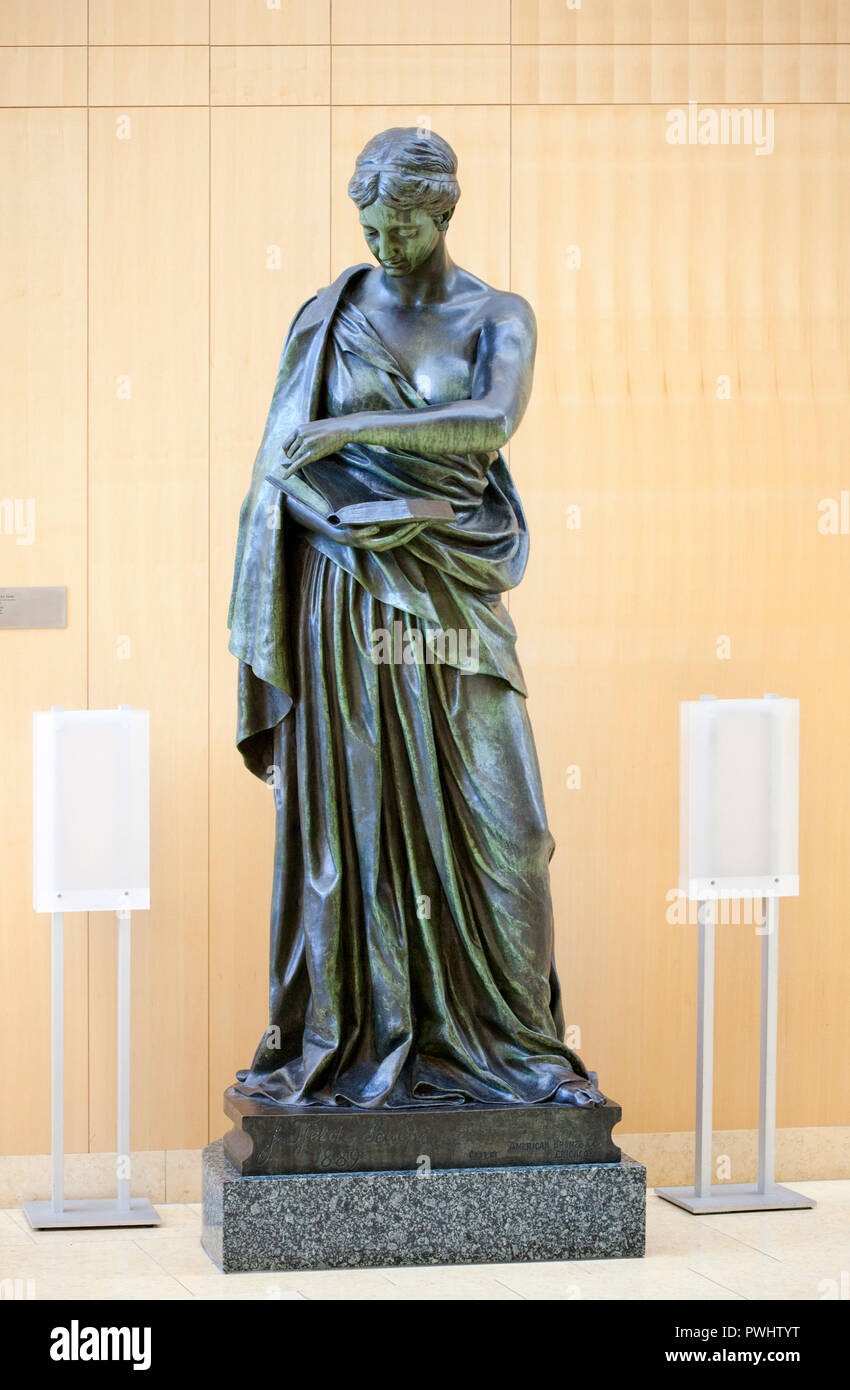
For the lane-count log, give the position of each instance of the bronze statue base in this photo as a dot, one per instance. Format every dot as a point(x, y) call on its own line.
point(268, 1139)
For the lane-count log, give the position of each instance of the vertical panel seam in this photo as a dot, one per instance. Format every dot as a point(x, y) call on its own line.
point(209, 573)
point(87, 931)
point(330, 136)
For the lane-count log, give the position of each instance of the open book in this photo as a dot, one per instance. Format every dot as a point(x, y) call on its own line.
point(343, 497)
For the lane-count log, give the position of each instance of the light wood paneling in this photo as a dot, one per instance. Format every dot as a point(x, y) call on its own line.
point(409, 21)
point(681, 21)
point(255, 294)
point(49, 21)
point(148, 557)
point(161, 75)
point(698, 515)
point(698, 519)
point(149, 21)
point(293, 21)
point(42, 76)
point(643, 73)
point(43, 470)
point(435, 74)
point(266, 75)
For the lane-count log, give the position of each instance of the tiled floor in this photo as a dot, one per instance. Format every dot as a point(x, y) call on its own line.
point(781, 1255)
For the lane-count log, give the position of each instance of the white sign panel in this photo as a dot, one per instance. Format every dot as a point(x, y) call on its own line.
point(739, 780)
point(91, 810)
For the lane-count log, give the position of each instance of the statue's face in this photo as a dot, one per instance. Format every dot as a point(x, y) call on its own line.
point(400, 238)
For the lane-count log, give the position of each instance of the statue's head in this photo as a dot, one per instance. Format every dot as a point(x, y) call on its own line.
point(405, 185)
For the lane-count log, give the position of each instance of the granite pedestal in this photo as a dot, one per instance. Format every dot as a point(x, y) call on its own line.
point(530, 1207)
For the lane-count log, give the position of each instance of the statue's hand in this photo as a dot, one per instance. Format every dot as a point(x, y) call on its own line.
point(376, 538)
point(388, 537)
point(311, 521)
point(311, 441)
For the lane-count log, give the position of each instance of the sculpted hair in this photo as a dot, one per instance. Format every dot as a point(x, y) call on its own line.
point(407, 168)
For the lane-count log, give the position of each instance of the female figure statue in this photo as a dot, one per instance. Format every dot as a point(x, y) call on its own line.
point(411, 924)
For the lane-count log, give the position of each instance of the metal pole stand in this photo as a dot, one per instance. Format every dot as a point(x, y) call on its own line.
point(766, 1194)
point(122, 1210)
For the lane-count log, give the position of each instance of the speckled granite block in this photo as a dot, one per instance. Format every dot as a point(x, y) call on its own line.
point(453, 1216)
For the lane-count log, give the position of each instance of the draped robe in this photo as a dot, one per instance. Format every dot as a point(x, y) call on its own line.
point(411, 923)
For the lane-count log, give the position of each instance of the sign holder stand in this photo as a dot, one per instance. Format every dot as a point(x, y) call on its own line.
point(121, 1210)
point(765, 1194)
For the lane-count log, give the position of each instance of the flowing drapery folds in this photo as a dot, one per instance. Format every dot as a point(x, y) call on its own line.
point(380, 693)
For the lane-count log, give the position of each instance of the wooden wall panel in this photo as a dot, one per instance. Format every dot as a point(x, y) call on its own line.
point(158, 75)
point(292, 21)
point(681, 21)
point(149, 21)
point(43, 477)
point(698, 514)
point(270, 75)
point(410, 22)
point(50, 21)
point(42, 77)
point(148, 564)
point(677, 73)
point(408, 73)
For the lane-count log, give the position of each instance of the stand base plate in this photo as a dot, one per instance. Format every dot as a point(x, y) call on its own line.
point(735, 1196)
point(90, 1211)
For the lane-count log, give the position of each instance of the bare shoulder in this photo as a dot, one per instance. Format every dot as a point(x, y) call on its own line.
point(512, 309)
point(498, 308)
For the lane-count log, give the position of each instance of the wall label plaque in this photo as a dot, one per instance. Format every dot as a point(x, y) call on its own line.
point(34, 606)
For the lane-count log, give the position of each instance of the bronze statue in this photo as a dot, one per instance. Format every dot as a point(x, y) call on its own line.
point(379, 688)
